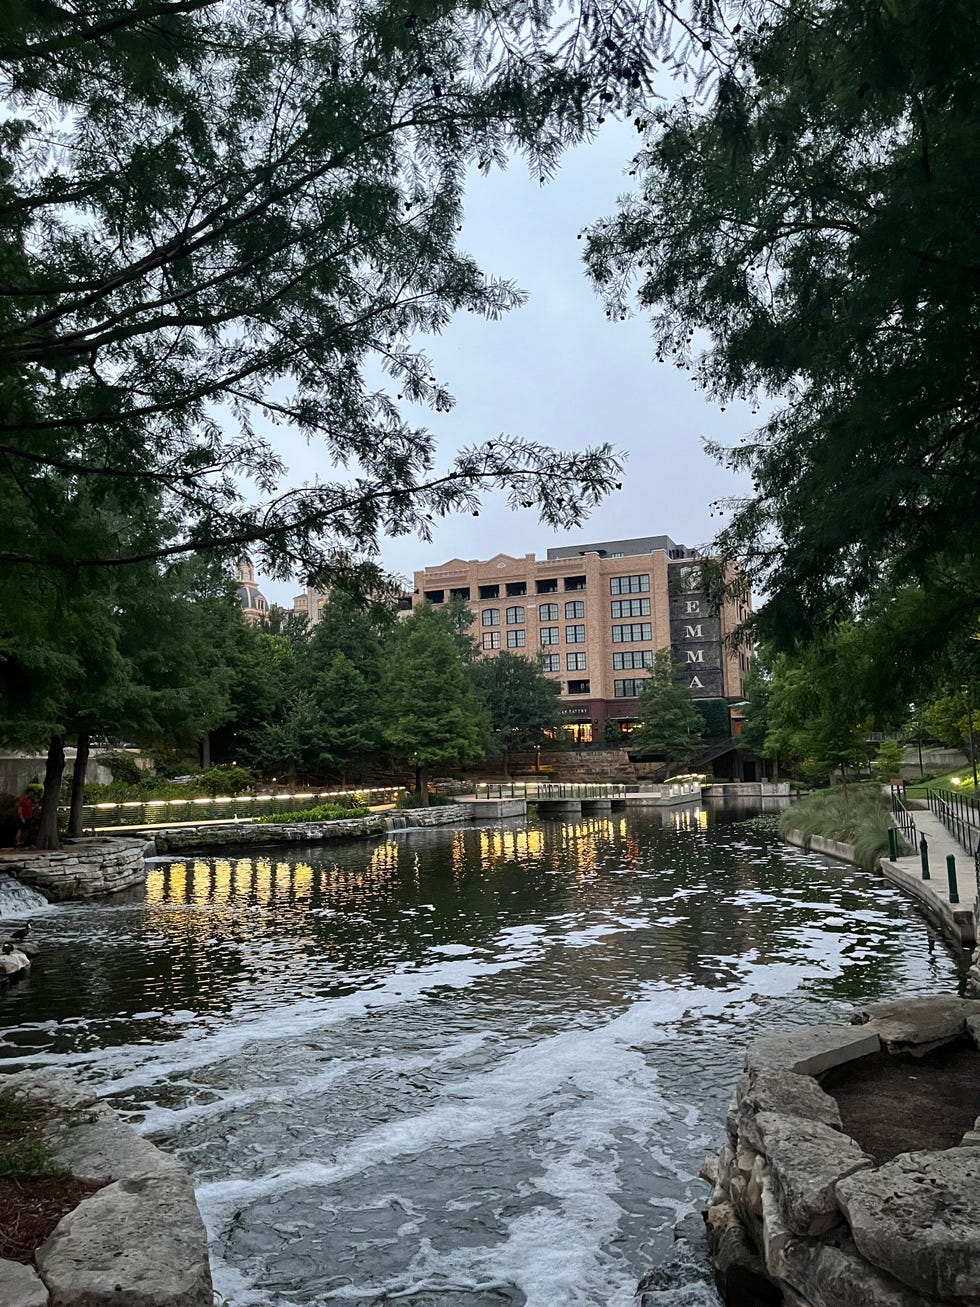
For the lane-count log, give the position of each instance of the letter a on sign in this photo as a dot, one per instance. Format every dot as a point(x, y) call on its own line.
point(696, 684)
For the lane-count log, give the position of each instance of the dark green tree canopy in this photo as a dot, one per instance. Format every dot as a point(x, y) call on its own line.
point(213, 215)
point(521, 703)
point(818, 220)
point(668, 723)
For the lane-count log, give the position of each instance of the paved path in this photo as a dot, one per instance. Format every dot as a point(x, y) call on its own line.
point(955, 919)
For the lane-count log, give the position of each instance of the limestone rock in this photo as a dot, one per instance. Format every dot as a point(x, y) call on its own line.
point(917, 1218)
point(834, 1274)
point(739, 1273)
point(810, 1050)
point(916, 1024)
point(50, 1089)
point(786, 1093)
point(806, 1159)
point(13, 964)
point(97, 1145)
point(20, 1286)
point(139, 1242)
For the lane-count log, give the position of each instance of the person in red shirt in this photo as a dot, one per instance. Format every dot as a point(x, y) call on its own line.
point(25, 815)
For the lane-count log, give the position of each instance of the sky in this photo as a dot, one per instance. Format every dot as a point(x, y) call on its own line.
point(558, 371)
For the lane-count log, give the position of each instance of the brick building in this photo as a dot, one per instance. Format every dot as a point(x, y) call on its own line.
point(597, 613)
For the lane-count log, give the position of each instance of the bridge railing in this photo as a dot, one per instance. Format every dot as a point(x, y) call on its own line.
point(241, 807)
point(545, 791)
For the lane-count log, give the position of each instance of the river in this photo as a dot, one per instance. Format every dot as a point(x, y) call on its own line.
point(462, 1067)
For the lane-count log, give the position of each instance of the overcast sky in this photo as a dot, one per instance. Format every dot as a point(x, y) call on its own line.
point(559, 372)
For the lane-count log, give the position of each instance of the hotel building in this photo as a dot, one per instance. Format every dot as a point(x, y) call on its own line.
point(597, 613)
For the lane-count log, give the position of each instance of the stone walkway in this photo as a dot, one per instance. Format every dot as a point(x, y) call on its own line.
point(955, 919)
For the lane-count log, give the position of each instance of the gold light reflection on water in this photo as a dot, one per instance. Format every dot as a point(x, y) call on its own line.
point(689, 819)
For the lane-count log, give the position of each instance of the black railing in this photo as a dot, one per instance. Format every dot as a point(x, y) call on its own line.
point(959, 814)
point(903, 818)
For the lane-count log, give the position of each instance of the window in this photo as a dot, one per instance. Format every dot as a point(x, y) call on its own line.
point(516, 639)
point(631, 608)
point(489, 591)
point(548, 613)
point(435, 596)
point(548, 587)
point(574, 582)
point(514, 588)
point(578, 687)
point(462, 592)
point(629, 585)
point(632, 658)
point(632, 633)
point(574, 608)
point(575, 662)
point(515, 616)
point(491, 639)
point(628, 689)
point(491, 617)
point(575, 634)
point(551, 662)
point(549, 635)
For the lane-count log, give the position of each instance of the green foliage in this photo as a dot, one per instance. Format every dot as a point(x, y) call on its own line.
point(716, 717)
point(858, 815)
point(887, 762)
point(431, 714)
point(669, 722)
point(225, 780)
point(323, 812)
point(251, 213)
point(816, 222)
point(23, 1151)
point(122, 766)
point(520, 702)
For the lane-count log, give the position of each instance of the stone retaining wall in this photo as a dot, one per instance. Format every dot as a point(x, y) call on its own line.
point(800, 1214)
point(444, 815)
point(81, 868)
point(174, 839)
point(139, 1240)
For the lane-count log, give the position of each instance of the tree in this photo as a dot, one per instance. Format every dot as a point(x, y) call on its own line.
point(521, 703)
point(887, 762)
point(212, 215)
point(816, 223)
point(431, 714)
point(668, 722)
point(351, 708)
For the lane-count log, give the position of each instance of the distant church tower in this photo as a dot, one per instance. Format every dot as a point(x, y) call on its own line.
point(251, 598)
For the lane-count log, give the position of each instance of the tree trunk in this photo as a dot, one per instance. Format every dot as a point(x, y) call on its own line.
point(54, 770)
point(418, 780)
point(205, 751)
point(506, 770)
point(78, 784)
point(424, 784)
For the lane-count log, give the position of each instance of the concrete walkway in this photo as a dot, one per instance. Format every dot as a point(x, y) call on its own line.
point(956, 920)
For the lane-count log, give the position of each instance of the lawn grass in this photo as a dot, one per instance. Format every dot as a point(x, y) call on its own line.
point(859, 815)
point(919, 789)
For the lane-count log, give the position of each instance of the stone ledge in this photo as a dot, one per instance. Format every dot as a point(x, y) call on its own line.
point(81, 869)
point(140, 1241)
point(794, 1194)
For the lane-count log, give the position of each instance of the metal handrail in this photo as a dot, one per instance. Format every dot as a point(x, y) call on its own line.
point(959, 815)
point(903, 818)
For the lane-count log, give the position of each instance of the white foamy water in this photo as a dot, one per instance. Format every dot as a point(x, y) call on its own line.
point(463, 1069)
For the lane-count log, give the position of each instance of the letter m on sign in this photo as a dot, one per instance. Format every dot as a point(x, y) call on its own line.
point(693, 632)
point(694, 655)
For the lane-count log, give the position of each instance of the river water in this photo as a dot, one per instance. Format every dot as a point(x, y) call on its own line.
point(463, 1067)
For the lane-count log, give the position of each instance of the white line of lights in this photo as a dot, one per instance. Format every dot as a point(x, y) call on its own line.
point(246, 798)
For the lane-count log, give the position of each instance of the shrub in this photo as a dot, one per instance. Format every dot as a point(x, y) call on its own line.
point(323, 812)
point(858, 815)
point(226, 779)
point(123, 767)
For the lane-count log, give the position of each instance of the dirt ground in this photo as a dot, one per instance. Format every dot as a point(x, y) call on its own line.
point(30, 1208)
point(893, 1104)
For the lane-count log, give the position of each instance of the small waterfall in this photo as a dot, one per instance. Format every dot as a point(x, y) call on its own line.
point(17, 900)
